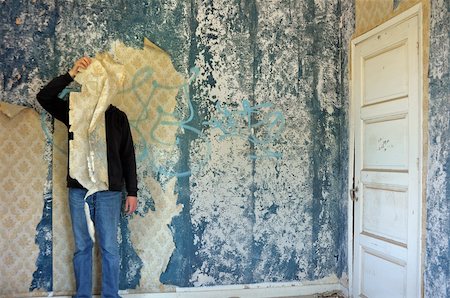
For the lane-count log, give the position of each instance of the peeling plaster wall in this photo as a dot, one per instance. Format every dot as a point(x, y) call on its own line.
point(248, 217)
point(347, 29)
point(437, 261)
point(259, 172)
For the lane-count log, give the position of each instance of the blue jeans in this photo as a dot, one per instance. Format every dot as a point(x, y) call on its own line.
point(105, 212)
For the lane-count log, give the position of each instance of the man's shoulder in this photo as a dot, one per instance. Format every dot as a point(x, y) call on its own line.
point(116, 111)
point(116, 116)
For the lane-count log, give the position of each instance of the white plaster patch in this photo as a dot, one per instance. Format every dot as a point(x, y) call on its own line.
point(283, 190)
point(229, 54)
point(200, 279)
point(151, 235)
point(284, 218)
point(219, 202)
point(220, 189)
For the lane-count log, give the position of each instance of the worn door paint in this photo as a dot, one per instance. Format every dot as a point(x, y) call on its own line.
point(386, 101)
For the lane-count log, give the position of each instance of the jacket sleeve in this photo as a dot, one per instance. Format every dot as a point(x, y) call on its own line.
point(49, 100)
point(128, 158)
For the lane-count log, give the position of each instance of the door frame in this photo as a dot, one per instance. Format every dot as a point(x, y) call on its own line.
point(416, 10)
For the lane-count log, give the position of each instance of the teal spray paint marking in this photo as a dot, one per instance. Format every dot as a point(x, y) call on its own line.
point(238, 123)
point(241, 124)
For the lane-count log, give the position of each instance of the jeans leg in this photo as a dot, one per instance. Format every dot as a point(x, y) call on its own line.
point(82, 259)
point(107, 215)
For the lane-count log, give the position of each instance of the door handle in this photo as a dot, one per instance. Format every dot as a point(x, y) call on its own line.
point(353, 195)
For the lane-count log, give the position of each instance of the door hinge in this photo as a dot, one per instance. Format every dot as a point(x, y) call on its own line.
point(353, 195)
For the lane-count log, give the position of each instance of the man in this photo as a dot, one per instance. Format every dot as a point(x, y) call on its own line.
point(104, 205)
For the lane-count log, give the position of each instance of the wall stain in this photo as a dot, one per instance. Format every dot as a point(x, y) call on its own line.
point(181, 264)
point(130, 263)
point(437, 260)
point(42, 277)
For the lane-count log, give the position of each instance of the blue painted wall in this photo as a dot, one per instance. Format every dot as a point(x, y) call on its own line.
point(260, 219)
point(281, 210)
point(437, 261)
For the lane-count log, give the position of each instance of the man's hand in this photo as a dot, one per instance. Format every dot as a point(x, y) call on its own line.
point(80, 63)
point(130, 204)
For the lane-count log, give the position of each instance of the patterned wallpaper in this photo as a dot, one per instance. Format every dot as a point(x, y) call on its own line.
point(22, 179)
point(371, 13)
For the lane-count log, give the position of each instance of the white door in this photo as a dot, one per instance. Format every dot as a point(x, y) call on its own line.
point(386, 102)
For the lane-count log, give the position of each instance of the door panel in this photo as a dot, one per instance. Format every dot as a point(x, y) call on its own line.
point(387, 272)
point(393, 204)
point(385, 75)
point(385, 143)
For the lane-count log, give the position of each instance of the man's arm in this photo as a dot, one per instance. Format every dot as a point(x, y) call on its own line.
point(48, 96)
point(128, 160)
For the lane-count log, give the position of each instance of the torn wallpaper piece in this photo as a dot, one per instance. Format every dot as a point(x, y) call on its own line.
point(10, 110)
point(149, 99)
point(154, 242)
point(88, 159)
point(22, 177)
point(144, 84)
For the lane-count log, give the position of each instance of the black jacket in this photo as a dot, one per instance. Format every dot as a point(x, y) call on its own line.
point(119, 142)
